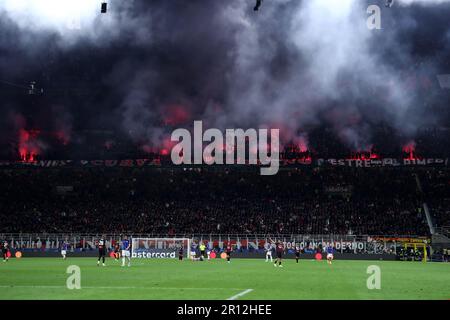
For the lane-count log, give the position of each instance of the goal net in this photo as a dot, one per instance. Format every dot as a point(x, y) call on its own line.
point(414, 252)
point(159, 248)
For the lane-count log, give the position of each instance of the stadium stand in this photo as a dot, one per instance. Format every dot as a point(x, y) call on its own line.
point(176, 201)
point(437, 187)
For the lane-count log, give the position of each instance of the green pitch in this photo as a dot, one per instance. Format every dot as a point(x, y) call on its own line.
point(45, 278)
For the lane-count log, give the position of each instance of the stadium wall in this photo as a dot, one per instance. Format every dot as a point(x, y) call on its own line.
point(235, 255)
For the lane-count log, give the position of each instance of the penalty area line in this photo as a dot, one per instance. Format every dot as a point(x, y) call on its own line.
point(240, 294)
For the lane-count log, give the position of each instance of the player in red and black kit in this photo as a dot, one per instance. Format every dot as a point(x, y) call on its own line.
point(101, 251)
point(297, 252)
point(117, 251)
point(228, 252)
point(180, 253)
point(5, 251)
point(279, 250)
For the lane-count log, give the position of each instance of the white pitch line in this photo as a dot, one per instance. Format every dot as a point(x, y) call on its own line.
point(90, 287)
point(240, 294)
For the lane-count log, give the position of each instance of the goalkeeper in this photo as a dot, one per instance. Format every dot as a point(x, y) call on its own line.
point(202, 251)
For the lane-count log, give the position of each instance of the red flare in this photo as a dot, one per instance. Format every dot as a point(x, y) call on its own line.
point(28, 145)
point(410, 149)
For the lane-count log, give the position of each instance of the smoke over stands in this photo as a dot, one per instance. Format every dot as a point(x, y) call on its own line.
point(127, 78)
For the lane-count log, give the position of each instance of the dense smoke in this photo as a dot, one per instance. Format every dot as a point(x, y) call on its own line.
point(296, 65)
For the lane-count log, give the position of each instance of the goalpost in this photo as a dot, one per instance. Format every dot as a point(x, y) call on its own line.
point(416, 246)
point(159, 248)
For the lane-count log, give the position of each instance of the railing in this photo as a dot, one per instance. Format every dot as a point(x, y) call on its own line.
point(343, 243)
point(445, 231)
point(203, 236)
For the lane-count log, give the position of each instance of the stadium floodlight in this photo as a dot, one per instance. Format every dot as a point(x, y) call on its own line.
point(159, 248)
point(257, 5)
point(33, 90)
point(104, 8)
point(31, 87)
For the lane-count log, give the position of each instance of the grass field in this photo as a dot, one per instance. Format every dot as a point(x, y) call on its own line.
point(45, 278)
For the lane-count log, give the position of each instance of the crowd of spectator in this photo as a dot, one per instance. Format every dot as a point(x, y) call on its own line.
point(342, 201)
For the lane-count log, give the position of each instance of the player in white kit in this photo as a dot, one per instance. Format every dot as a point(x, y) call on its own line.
point(268, 248)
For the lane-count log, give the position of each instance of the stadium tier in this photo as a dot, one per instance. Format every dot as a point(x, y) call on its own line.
point(343, 201)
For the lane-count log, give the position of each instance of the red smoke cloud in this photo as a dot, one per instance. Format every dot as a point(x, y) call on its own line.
point(368, 154)
point(176, 114)
point(163, 149)
point(63, 137)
